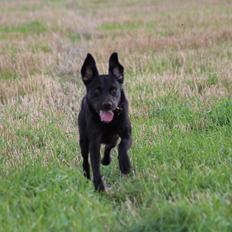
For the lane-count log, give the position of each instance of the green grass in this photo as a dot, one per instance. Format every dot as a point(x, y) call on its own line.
point(8, 75)
point(126, 26)
point(41, 47)
point(33, 27)
point(180, 182)
point(74, 36)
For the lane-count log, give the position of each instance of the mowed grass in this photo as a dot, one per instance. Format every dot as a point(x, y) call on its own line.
point(177, 59)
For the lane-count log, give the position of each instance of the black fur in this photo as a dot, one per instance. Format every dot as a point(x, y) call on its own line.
point(104, 97)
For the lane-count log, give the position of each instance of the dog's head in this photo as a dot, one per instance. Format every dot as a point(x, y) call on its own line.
point(103, 91)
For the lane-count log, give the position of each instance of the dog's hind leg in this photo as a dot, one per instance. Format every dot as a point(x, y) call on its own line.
point(85, 154)
point(106, 158)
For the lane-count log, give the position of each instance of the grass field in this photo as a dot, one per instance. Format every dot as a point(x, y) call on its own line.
point(178, 60)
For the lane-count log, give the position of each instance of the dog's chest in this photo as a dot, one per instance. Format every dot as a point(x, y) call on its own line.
point(109, 135)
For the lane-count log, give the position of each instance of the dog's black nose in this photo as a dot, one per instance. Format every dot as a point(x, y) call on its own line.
point(107, 106)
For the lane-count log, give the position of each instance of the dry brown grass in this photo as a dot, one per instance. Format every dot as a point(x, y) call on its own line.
point(45, 66)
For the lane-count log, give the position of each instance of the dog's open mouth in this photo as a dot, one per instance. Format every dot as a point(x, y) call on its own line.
point(106, 116)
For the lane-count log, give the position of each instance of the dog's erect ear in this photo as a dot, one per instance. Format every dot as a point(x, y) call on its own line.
point(115, 68)
point(89, 69)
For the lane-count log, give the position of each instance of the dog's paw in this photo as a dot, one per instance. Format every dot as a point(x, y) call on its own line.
point(106, 160)
point(125, 167)
point(124, 164)
point(87, 175)
point(99, 186)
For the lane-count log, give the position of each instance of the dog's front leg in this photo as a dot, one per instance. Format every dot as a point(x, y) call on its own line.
point(124, 145)
point(95, 162)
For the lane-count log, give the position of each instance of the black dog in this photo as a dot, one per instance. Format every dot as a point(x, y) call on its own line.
point(103, 118)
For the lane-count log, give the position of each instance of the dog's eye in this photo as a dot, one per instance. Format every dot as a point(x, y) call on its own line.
point(113, 91)
point(97, 91)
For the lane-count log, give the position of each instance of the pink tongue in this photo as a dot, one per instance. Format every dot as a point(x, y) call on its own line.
point(106, 116)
